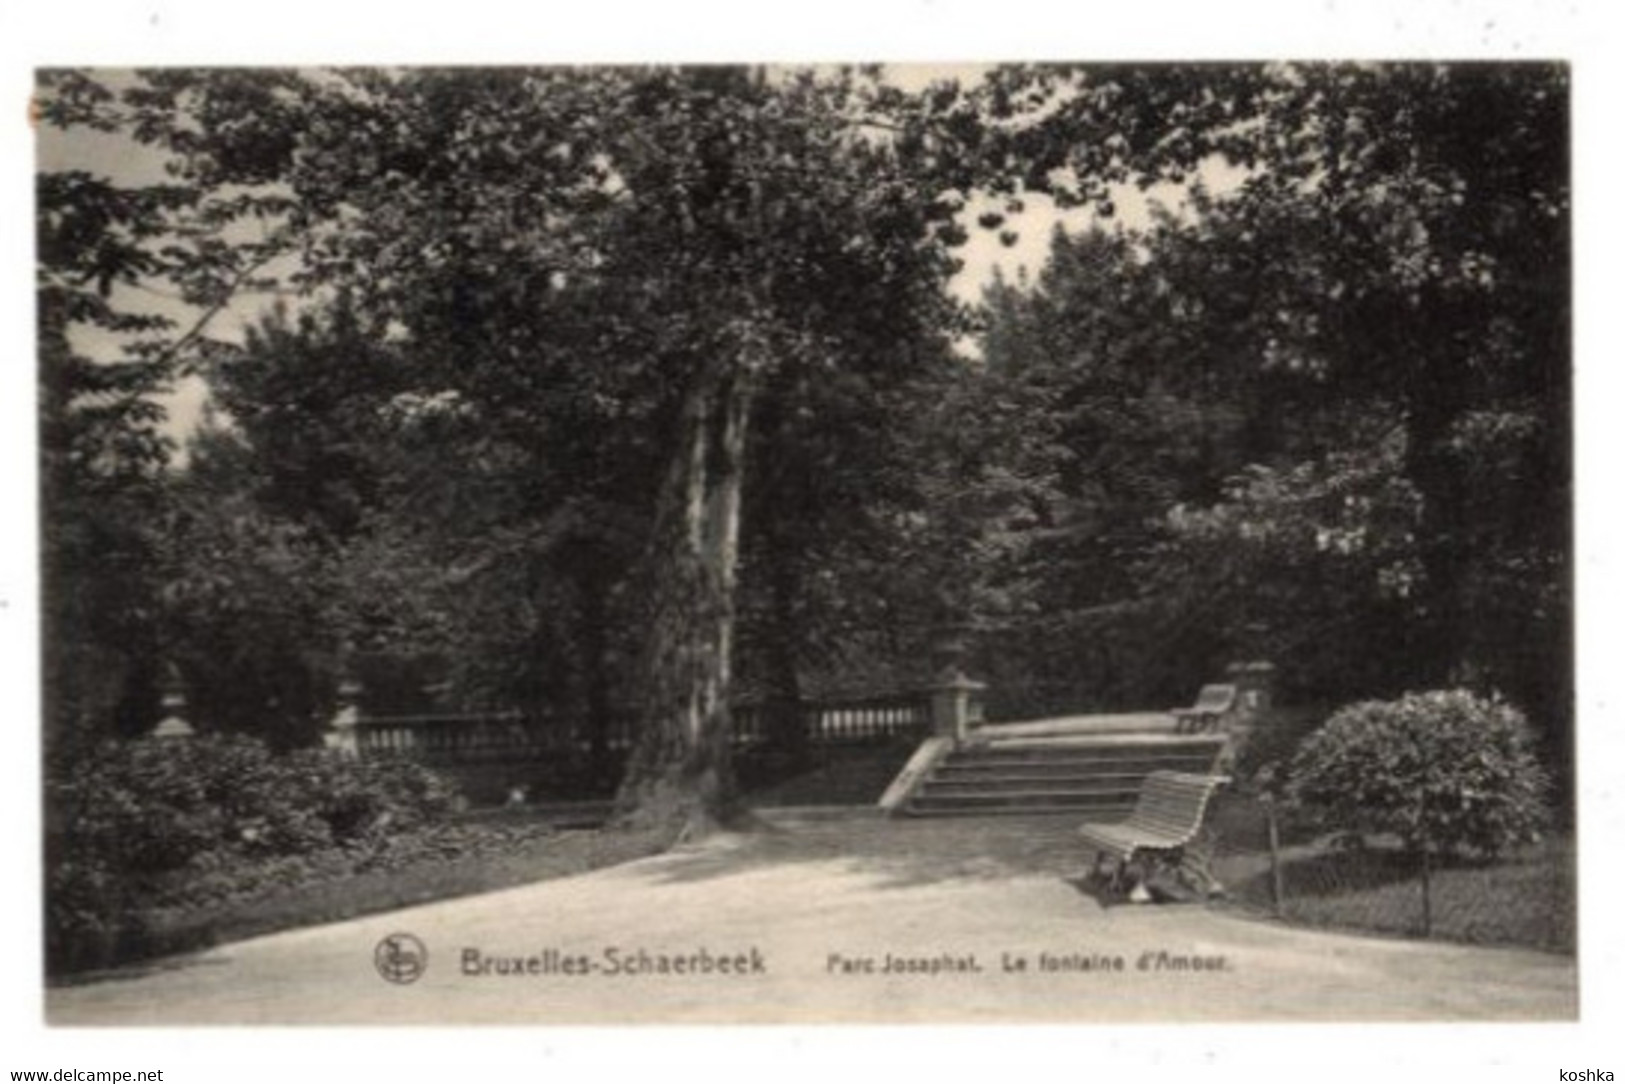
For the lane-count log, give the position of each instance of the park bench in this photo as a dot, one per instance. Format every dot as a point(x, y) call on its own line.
point(1163, 828)
point(1211, 703)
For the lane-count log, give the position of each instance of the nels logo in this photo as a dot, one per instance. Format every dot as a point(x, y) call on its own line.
point(400, 958)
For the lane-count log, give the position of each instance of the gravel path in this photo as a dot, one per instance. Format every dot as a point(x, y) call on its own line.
point(851, 919)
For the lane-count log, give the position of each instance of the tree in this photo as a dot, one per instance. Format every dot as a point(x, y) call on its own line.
point(1384, 273)
point(245, 605)
point(777, 181)
point(557, 250)
point(1110, 417)
point(100, 446)
point(310, 396)
point(611, 298)
point(105, 353)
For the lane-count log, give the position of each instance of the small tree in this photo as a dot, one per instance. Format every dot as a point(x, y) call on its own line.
point(1447, 771)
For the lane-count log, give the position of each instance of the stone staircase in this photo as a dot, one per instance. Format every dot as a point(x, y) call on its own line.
point(1091, 765)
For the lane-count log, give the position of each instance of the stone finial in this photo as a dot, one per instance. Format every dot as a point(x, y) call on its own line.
point(172, 700)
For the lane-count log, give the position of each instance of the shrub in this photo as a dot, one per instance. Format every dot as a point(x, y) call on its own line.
point(1445, 771)
point(128, 819)
point(362, 801)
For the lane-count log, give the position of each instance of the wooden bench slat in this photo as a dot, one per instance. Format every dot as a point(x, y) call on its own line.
point(1169, 811)
point(1173, 803)
point(1178, 802)
point(1171, 829)
point(1167, 815)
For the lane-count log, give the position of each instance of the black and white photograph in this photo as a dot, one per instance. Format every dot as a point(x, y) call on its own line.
point(837, 542)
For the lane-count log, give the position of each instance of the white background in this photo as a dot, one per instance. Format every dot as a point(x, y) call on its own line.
point(465, 31)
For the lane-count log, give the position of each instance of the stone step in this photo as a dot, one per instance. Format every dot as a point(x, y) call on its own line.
point(995, 784)
point(1103, 814)
point(1137, 766)
point(1139, 722)
point(1105, 742)
point(1092, 767)
point(1082, 792)
point(1091, 802)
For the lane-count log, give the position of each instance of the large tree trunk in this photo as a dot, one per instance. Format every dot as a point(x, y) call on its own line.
point(679, 774)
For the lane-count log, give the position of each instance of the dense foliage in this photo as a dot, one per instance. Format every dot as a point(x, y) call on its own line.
point(127, 815)
point(626, 389)
point(1316, 411)
point(1446, 772)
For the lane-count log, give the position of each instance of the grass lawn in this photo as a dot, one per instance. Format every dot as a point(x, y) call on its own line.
point(444, 862)
point(855, 776)
point(1526, 899)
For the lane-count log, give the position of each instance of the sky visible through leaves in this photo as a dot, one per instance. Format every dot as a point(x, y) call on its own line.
point(984, 255)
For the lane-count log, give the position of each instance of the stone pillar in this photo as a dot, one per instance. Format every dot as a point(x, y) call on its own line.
point(1255, 687)
point(172, 699)
point(341, 729)
point(956, 704)
point(1255, 693)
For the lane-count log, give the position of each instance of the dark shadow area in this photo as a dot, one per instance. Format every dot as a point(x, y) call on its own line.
point(1240, 823)
point(1098, 890)
point(192, 961)
point(1164, 886)
point(1344, 871)
point(829, 775)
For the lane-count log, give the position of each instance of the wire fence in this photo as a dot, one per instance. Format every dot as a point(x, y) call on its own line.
point(1277, 861)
